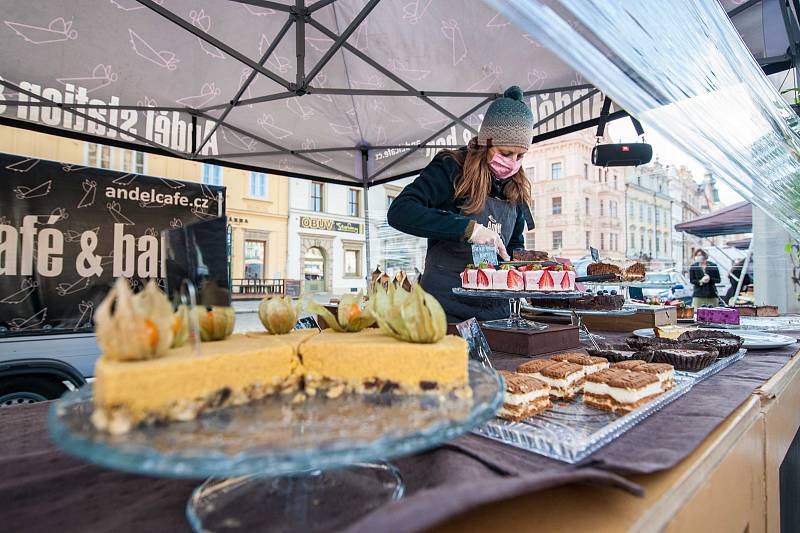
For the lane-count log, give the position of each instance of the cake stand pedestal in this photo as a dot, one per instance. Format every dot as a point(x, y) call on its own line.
point(282, 466)
point(310, 502)
point(515, 319)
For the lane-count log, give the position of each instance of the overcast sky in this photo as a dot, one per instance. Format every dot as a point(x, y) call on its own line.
point(669, 154)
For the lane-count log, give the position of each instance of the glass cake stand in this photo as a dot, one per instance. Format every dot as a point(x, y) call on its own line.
point(279, 465)
point(514, 320)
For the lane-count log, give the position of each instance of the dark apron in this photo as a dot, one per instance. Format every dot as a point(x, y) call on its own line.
point(445, 261)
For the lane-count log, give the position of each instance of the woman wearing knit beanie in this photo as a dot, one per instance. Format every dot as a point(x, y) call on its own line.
point(477, 194)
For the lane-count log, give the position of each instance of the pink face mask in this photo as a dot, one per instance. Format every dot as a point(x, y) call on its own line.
point(504, 167)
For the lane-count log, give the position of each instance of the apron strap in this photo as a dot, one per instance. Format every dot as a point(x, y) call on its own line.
point(526, 213)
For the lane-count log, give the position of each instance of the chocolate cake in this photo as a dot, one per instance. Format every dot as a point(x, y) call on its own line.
point(596, 269)
point(597, 302)
point(686, 356)
point(635, 272)
point(648, 343)
point(529, 255)
point(621, 352)
point(725, 343)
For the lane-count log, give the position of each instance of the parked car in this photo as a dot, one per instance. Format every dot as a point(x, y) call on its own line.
point(680, 288)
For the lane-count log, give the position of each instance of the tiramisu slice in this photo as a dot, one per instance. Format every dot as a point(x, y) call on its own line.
point(565, 379)
point(663, 371)
point(618, 390)
point(590, 364)
point(525, 397)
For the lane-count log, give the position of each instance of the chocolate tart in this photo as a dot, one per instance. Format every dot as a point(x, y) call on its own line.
point(648, 343)
point(726, 343)
point(617, 353)
point(686, 356)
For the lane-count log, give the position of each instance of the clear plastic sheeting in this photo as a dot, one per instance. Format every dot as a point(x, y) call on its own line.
point(394, 250)
point(683, 70)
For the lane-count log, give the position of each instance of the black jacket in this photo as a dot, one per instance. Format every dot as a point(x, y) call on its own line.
point(708, 290)
point(427, 207)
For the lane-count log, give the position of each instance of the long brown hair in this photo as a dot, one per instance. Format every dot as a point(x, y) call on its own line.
point(475, 181)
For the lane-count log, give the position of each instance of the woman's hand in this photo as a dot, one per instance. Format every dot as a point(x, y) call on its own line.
point(705, 279)
point(483, 235)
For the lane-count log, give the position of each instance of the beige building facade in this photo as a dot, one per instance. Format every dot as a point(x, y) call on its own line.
point(576, 205)
point(257, 204)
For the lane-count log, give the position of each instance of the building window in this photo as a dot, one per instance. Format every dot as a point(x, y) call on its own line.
point(631, 209)
point(212, 174)
point(602, 207)
point(530, 237)
point(641, 242)
point(641, 211)
point(602, 241)
point(316, 197)
point(130, 161)
point(352, 263)
point(533, 207)
point(258, 185)
point(615, 182)
point(586, 171)
point(353, 202)
point(649, 214)
point(587, 206)
point(588, 239)
point(557, 205)
point(389, 199)
point(658, 216)
point(599, 175)
point(255, 253)
point(633, 241)
point(658, 242)
point(530, 173)
point(558, 240)
point(555, 171)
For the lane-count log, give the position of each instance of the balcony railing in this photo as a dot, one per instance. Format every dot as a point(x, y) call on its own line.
point(243, 288)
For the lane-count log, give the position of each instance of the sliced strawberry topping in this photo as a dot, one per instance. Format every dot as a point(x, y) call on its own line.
point(546, 281)
point(483, 279)
point(514, 280)
point(565, 281)
point(464, 278)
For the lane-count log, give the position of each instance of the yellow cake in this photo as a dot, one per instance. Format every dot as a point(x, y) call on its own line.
point(369, 361)
point(181, 384)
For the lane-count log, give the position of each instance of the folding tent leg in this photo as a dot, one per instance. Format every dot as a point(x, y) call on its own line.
point(743, 272)
point(368, 258)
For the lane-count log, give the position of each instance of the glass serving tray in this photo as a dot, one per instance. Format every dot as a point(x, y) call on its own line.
point(273, 437)
point(713, 368)
point(491, 293)
point(625, 311)
point(571, 431)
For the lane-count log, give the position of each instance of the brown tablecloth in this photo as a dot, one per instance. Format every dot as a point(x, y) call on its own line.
point(42, 489)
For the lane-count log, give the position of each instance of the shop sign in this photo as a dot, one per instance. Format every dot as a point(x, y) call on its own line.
point(328, 224)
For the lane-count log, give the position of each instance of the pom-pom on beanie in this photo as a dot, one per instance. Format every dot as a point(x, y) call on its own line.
point(507, 122)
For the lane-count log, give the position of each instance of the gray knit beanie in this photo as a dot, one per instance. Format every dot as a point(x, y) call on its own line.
point(507, 122)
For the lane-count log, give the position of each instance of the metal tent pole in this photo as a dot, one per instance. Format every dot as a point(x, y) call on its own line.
point(743, 273)
point(368, 258)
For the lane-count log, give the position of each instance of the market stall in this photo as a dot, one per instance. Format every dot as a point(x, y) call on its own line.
point(112, 451)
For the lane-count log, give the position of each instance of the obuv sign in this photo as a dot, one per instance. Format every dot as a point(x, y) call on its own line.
point(67, 231)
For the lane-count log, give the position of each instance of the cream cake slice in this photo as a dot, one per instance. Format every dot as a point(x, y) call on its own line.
point(618, 390)
point(181, 385)
point(371, 362)
point(565, 379)
point(590, 364)
point(525, 396)
point(663, 371)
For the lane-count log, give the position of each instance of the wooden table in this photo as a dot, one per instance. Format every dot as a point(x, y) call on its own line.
point(730, 483)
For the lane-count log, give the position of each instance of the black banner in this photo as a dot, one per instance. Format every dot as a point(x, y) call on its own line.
point(67, 231)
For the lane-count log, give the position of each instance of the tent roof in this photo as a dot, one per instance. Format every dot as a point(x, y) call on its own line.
point(737, 218)
point(347, 91)
point(740, 244)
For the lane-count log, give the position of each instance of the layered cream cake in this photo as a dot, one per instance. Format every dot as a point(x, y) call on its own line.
point(525, 396)
point(371, 362)
point(617, 390)
point(535, 278)
point(590, 364)
point(180, 385)
point(663, 371)
point(564, 379)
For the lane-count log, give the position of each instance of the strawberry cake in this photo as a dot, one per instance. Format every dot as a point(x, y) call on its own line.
point(558, 278)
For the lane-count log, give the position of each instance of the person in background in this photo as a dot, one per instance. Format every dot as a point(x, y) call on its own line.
point(733, 279)
point(704, 275)
point(477, 194)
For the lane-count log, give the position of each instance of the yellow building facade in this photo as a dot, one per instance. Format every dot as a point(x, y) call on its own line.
point(257, 205)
